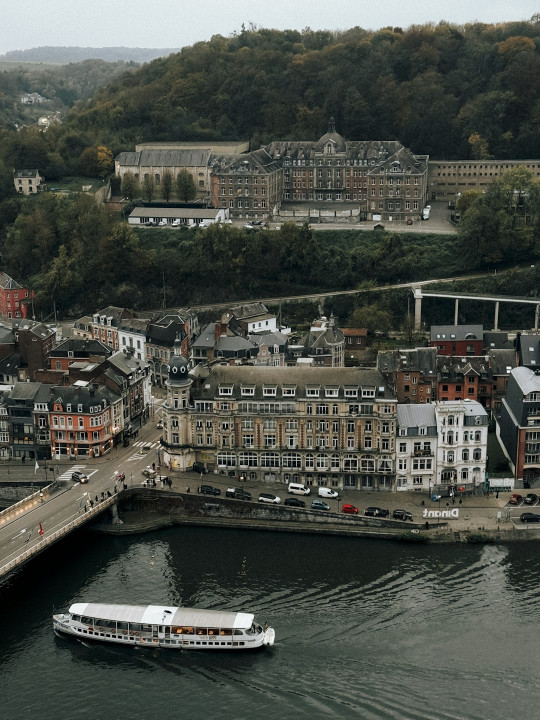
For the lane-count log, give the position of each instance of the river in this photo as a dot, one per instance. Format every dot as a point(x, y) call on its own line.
point(365, 629)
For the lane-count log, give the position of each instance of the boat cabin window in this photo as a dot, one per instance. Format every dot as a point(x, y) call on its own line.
point(77, 618)
point(213, 631)
point(122, 625)
point(106, 623)
point(134, 627)
point(87, 620)
point(182, 630)
point(201, 631)
point(146, 628)
point(238, 632)
point(225, 631)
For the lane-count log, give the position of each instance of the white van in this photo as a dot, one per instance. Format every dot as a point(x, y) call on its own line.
point(327, 493)
point(298, 489)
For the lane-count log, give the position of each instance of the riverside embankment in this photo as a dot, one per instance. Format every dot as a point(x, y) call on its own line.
point(476, 519)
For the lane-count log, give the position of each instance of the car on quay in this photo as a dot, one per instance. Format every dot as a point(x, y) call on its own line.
point(376, 512)
point(319, 505)
point(402, 515)
point(294, 502)
point(325, 492)
point(349, 509)
point(530, 498)
point(269, 498)
point(208, 490)
point(515, 499)
point(238, 494)
point(529, 517)
point(79, 477)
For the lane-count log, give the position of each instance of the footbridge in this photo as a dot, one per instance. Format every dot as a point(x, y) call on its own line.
point(420, 293)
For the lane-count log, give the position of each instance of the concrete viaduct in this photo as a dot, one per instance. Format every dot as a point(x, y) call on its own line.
point(419, 294)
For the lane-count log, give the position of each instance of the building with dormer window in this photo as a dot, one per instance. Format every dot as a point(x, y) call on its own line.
point(330, 427)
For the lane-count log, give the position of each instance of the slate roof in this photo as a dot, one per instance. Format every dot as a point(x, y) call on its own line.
point(80, 346)
point(528, 380)
point(422, 360)
point(88, 396)
point(502, 361)
point(299, 377)
point(170, 157)
point(10, 365)
point(456, 332)
point(416, 415)
point(530, 350)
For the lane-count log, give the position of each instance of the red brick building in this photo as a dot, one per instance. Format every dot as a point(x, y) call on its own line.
point(457, 340)
point(14, 298)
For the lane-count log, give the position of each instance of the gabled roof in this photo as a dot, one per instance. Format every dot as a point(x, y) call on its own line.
point(502, 361)
point(8, 283)
point(80, 346)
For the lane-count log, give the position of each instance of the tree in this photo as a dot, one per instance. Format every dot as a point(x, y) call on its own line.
point(149, 187)
point(166, 185)
point(185, 186)
point(104, 161)
point(130, 186)
point(372, 318)
point(88, 162)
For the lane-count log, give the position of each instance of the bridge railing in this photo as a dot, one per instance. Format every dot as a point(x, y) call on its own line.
point(50, 539)
point(27, 500)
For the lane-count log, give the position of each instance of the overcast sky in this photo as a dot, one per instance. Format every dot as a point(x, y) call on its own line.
point(177, 23)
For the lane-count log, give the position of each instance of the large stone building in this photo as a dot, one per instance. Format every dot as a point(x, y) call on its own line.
point(449, 178)
point(331, 427)
point(381, 179)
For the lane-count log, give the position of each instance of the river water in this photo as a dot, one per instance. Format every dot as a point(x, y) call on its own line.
point(364, 629)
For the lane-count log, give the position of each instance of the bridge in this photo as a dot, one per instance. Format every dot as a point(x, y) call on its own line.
point(38, 521)
point(420, 293)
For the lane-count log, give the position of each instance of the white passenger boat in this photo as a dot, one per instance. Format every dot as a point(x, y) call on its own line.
point(163, 626)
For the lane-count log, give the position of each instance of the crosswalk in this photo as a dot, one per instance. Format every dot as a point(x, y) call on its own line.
point(66, 475)
point(147, 445)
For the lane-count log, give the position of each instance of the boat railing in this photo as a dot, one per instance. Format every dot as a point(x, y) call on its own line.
point(50, 539)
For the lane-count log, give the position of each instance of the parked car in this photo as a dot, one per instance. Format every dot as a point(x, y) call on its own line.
point(269, 498)
point(79, 477)
point(294, 502)
point(402, 515)
point(529, 517)
point(530, 499)
point(349, 509)
point(148, 472)
point(162, 223)
point(515, 499)
point(319, 505)
point(376, 512)
point(159, 426)
point(209, 490)
point(175, 223)
point(238, 494)
point(150, 223)
point(249, 226)
point(327, 493)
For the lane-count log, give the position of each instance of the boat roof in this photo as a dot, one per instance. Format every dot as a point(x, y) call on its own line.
point(164, 615)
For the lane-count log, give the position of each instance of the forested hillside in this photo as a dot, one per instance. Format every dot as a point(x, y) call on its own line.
point(452, 92)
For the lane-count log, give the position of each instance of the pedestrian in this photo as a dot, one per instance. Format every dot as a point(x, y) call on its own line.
point(154, 466)
point(23, 459)
point(497, 495)
point(84, 507)
point(188, 490)
point(91, 504)
point(109, 493)
point(460, 501)
point(115, 489)
point(453, 500)
point(97, 500)
point(103, 495)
